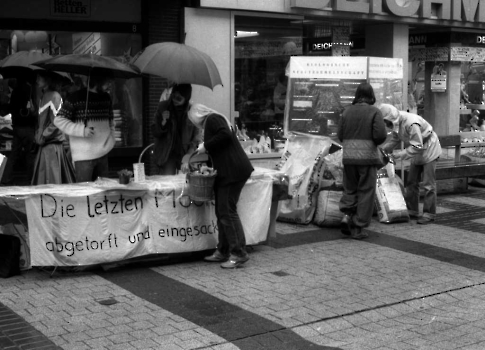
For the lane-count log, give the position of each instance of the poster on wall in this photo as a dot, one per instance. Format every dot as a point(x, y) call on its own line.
point(320, 88)
point(438, 78)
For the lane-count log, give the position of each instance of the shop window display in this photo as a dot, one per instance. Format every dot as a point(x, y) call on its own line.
point(321, 88)
point(126, 94)
point(263, 50)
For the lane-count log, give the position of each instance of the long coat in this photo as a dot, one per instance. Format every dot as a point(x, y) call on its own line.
point(228, 157)
point(168, 140)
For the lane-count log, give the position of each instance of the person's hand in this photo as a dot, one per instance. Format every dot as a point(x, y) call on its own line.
point(201, 149)
point(185, 168)
point(88, 131)
point(165, 116)
point(398, 155)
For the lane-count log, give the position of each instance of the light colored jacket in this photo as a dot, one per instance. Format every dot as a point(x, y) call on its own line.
point(421, 142)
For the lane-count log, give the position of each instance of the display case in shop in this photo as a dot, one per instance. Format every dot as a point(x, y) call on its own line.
point(320, 88)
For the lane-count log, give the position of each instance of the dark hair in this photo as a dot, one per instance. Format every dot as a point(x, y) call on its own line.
point(97, 81)
point(52, 79)
point(364, 93)
point(185, 90)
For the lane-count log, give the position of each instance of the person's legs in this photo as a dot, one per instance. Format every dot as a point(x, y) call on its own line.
point(412, 189)
point(348, 202)
point(223, 244)
point(222, 252)
point(101, 167)
point(169, 168)
point(84, 170)
point(229, 221)
point(366, 193)
point(430, 196)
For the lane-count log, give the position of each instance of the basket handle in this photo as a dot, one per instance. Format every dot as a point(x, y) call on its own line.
point(193, 168)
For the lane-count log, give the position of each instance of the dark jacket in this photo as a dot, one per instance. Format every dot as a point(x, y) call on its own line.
point(361, 129)
point(228, 157)
point(21, 115)
point(176, 138)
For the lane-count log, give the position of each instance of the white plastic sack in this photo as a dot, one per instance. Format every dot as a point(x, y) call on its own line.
point(303, 161)
point(389, 201)
point(328, 213)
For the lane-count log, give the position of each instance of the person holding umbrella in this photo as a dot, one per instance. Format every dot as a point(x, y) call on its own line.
point(87, 117)
point(233, 170)
point(52, 165)
point(175, 136)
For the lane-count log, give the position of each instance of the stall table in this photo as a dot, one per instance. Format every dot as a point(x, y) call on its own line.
point(104, 221)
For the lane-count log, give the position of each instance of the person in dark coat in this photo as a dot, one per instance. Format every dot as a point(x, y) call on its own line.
point(24, 119)
point(361, 129)
point(233, 170)
point(175, 136)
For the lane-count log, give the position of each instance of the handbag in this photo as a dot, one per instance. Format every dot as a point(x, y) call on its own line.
point(30, 108)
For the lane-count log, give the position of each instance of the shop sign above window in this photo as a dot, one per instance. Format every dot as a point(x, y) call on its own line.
point(71, 8)
point(428, 9)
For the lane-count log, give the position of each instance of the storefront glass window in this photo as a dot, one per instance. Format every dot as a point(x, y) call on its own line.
point(126, 94)
point(263, 48)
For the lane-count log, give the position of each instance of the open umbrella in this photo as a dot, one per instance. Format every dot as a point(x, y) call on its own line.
point(179, 63)
point(89, 65)
point(19, 64)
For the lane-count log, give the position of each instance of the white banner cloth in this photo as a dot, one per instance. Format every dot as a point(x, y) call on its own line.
point(100, 222)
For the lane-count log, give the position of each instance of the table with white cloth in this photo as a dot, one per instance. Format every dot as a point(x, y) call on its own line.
point(104, 221)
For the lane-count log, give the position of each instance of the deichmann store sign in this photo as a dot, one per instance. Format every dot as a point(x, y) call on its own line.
point(455, 10)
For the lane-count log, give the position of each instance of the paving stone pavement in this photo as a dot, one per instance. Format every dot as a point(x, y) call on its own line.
point(408, 286)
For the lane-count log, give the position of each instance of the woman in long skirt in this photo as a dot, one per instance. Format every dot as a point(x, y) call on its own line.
point(51, 165)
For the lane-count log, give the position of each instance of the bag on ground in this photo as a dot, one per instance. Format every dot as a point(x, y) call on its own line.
point(389, 200)
point(302, 161)
point(328, 213)
point(20, 232)
point(9, 256)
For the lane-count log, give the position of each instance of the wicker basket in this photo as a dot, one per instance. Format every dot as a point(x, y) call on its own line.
point(200, 187)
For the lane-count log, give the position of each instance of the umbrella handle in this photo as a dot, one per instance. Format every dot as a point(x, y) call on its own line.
point(87, 99)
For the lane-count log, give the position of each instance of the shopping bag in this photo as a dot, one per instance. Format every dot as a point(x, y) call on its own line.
point(328, 213)
point(19, 231)
point(3, 163)
point(389, 200)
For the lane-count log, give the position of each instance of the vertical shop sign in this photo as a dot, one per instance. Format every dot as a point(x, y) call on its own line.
point(86, 43)
point(70, 8)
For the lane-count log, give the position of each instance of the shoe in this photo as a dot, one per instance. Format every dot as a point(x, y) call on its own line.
point(424, 221)
point(217, 256)
point(235, 261)
point(345, 226)
point(357, 233)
